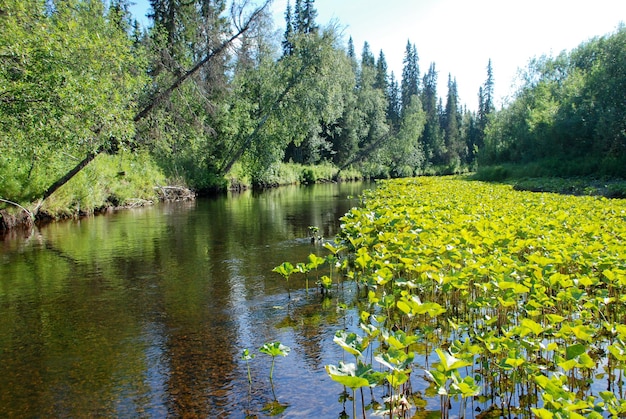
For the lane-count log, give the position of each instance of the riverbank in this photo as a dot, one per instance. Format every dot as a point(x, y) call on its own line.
point(527, 178)
point(114, 183)
point(20, 218)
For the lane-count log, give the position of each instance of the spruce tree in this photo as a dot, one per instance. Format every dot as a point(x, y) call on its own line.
point(289, 31)
point(410, 75)
point(488, 90)
point(352, 58)
point(367, 58)
point(381, 81)
point(434, 147)
point(394, 107)
point(298, 17)
point(351, 53)
point(485, 106)
point(455, 147)
point(309, 16)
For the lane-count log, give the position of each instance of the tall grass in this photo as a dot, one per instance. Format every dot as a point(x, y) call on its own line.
point(120, 180)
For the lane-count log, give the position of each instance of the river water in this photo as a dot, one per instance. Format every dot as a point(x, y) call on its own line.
point(146, 312)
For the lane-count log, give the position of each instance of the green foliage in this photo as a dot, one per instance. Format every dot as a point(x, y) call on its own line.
point(568, 111)
point(274, 349)
point(69, 79)
point(518, 294)
point(126, 179)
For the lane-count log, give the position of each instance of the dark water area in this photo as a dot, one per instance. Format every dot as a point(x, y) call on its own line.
point(146, 312)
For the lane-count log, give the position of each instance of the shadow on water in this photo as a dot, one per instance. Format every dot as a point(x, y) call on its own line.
point(145, 313)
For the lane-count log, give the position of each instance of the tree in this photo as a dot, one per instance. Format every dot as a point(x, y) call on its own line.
point(381, 82)
point(434, 146)
point(395, 106)
point(289, 31)
point(405, 151)
point(367, 58)
point(308, 18)
point(68, 80)
point(372, 101)
point(302, 98)
point(298, 18)
point(569, 113)
point(456, 151)
point(410, 75)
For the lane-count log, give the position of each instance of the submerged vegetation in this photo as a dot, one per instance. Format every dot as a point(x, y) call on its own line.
point(486, 298)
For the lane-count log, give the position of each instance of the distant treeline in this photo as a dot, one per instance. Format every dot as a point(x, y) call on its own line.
point(569, 116)
point(205, 93)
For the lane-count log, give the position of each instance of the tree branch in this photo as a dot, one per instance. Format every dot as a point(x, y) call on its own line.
point(261, 123)
point(160, 97)
point(157, 99)
point(30, 214)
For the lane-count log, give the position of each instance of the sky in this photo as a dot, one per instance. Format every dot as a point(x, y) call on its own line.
point(460, 36)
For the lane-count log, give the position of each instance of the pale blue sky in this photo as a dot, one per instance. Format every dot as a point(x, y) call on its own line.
point(460, 36)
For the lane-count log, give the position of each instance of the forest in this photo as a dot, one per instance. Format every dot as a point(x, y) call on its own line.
point(96, 110)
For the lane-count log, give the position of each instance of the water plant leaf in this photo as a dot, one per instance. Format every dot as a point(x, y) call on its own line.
point(555, 318)
point(275, 349)
point(542, 413)
point(531, 326)
point(275, 408)
point(466, 387)
point(399, 339)
point(334, 249)
point(515, 286)
point(573, 351)
point(349, 374)
point(246, 355)
point(314, 261)
point(449, 362)
point(395, 359)
point(351, 342)
point(396, 378)
point(285, 269)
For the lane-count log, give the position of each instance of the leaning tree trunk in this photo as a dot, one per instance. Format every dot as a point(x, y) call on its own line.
point(361, 154)
point(157, 99)
point(242, 148)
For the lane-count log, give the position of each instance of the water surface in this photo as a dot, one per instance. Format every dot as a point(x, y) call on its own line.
point(145, 312)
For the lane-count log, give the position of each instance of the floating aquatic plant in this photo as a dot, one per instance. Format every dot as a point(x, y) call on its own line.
point(519, 297)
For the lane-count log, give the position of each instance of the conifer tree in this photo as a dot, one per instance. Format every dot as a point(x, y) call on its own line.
point(381, 81)
point(352, 57)
point(455, 147)
point(289, 31)
point(298, 17)
point(394, 107)
point(367, 58)
point(434, 147)
point(351, 53)
point(410, 75)
point(308, 19)
point(485, 106)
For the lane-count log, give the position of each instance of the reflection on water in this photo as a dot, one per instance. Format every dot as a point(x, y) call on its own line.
point(145, 313)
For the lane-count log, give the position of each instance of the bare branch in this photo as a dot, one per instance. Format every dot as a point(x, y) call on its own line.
point(30, 214)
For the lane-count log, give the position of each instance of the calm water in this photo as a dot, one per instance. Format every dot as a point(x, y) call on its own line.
point(145, 313)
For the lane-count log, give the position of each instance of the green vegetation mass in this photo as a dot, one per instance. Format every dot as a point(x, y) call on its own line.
point(211, 97)
point(517, 298)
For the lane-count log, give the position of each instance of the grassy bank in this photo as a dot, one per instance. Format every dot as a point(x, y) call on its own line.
point(128, 180)
point(289, 174)
point(537, 179)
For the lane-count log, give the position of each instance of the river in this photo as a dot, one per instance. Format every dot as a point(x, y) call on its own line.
point(146, 312)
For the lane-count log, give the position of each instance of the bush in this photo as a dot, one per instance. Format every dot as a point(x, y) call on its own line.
point(492, 174)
